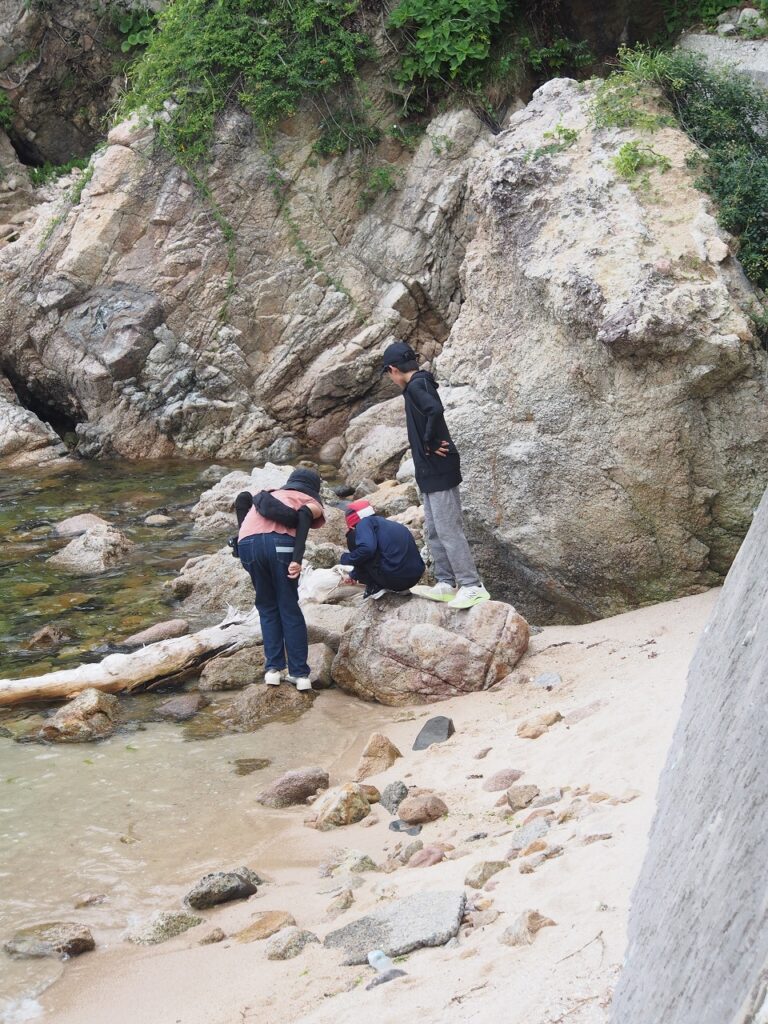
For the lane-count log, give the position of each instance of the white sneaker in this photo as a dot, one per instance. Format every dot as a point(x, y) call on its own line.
point(303, 683)
point(467, 597)
point(441, 591)
point(272, 677)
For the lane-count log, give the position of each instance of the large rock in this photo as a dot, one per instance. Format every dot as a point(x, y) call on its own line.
point(207, 584)
point(182, 707)
point(124, 294)
point(326, 623)
point(95, 551)
point(222, 887)
point(341, 806)
point(73, 526)
point(597, 346)
point(233, 671)
point(214, 513)
point(289, 942)
point(293, 787)
point(92, 715)
point(259, 704)
point(407, 651)
point(426, 919)
point(419, 809)
point(698, 924)
point(376, 440)
point(57, 939)
point(24, 439)
point(162, 926)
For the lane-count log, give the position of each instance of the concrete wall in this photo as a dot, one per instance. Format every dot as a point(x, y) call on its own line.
point(698, 929)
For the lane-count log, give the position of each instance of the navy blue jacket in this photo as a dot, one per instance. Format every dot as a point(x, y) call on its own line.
point(426, 429)
point(389, 545)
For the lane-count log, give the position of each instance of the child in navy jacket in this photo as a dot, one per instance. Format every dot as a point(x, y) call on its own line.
point(383, 553)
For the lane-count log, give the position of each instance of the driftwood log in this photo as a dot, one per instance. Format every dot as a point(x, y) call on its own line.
point(149, 666)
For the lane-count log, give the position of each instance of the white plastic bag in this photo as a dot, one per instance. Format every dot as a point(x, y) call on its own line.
point(325, 586)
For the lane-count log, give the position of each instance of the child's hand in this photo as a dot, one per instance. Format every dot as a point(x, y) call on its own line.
point(442, 449)
point(294, 570)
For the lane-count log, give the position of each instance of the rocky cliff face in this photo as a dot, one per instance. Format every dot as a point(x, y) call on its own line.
point(600, 368)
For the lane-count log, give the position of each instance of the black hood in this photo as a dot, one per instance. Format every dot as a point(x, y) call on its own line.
point(305, 480)
point(424, 375)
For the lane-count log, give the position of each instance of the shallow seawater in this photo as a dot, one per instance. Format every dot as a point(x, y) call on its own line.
point(102, 608)
point(138, 818)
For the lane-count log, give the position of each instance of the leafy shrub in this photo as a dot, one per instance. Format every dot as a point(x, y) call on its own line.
point(264, 54)
point(340, 134)
point(560, 139)
point(447, 39)
point(137, 26)
point(681, 14)
point(49, 172)
point(377, 181)
point(558, 55)
point(6, 112)
point(634, 157)
point(725, 114)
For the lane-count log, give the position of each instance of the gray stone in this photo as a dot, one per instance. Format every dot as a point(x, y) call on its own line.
point(159, 520)
point(698, 923)
point(424, 919)
point(293, 787)
point(519, 797)
point(289, 943)
point(162, 926)
point(259, 704)
point(181, 708)
point(435, 730)
point(92, 715)
point(234, 671)
point(57, 939)
point(93, 552)
point(384, 977)
point(480, 873)
point(222, 887)
point(526, 834)
point(393, 795)
point(73, 526)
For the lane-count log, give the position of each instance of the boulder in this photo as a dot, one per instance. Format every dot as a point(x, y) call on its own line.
point(160, 631)
point(391, 498)
point(94, 551)
point(343, 805)
point(214, 515)
point(422, 919)
point(288, 943)
point(162, 926)
point(181, 708)
point(259, 704)
point(393, 795)
point(378, 754)
point(375, 440)
point(24, 439)
point(417, 810)
point(265, 924)
point(233, 671)
point(326, 623)
point(222, 887)
point(207, 584)
point(293, 787)
point(405, 651)
point(320, 658)
point(57, 939)
point(435, 730)
point(73, 526)
point(92, 715)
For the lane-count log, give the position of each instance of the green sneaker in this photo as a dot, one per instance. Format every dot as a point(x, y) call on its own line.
point(468, 597)
point(441, 591)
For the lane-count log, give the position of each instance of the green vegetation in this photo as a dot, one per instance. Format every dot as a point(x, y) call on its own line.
point(345, 131)
point(264, 54)
point(725, 114)
point(681, 14)
point(634, 157)
point(137, 27)
point(560, 139)
point(376, 181)
point(49, 172)
point(6, 112)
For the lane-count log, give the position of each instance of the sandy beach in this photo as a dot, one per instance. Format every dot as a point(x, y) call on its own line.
point(622, 684)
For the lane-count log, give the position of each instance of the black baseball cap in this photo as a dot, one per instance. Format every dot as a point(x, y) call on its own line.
point(396, 354)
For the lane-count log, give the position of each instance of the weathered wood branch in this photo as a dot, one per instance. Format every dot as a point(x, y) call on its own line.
point(146, 667)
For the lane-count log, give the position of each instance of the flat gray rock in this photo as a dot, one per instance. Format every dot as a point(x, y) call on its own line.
point(427, 919)
point(221, 887)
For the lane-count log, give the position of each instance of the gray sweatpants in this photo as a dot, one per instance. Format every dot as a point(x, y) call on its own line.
point(445, 536)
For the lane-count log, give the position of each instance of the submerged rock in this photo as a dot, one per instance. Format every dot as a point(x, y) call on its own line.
point(48, 636)
point(423, 919)
point(56, 939)
point(73, 526)
point(92, 715)
point(398, 651)
point(95, 551)
point(181, 708)
point(293, 787)
point(222, 887)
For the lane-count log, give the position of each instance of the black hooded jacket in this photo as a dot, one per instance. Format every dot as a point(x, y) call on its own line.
point(426, 430)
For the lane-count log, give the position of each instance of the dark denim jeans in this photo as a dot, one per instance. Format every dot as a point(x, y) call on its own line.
point(266, 557)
